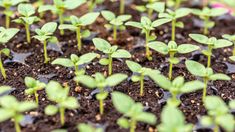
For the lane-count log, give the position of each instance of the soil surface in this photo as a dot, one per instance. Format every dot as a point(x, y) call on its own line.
point(130, 39)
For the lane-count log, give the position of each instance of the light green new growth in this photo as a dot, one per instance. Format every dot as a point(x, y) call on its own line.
point(88, 128)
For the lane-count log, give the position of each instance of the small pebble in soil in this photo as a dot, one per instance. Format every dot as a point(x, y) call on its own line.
point(78, 89)
point(98, 117)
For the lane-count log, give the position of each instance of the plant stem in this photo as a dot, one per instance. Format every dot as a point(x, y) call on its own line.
point(17, 125)
point(110, 64)
point(7, 21)
point(173, 23)
point(209, 56)
point(36, 97)
point(2, 69)
point(133, 125)
point(27, 33)
point(177, 5)
point(101, 106)
point(171, 66)
point(206, 30)
point(147, 45)
point(204, 89)
point(115, 33)
point(62, 110)
point(142, 85)
point(234, 49)
point(122, 6)
point(61, 21)
point(216, 128)
point(91, 5)
point(76, 69)
point(79, 38)
point(45, 52)
point(150, 13)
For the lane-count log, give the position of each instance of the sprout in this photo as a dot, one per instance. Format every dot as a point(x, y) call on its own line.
point(115, 22)
point(177, 124)
point(26, 11)
point(33, 86)
point(7, 4)
point(218, 114)
point(56, 93)
point(176, 87)
point(11, 108)
point(44, 35)
point(101, 83)
point(146, 25)
point(172, 48)
point(78, 23)
point(212, 43)
point(207, 74)
point(88, 128)
point(111, 51)
point(132, 112)
point(173, 16)
point(59, 7)
point(139, 73)
point(93, 3)
point(206, 13)
point(232, 39)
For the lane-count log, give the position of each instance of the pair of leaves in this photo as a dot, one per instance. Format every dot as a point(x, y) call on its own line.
point(46, 32)
point(33, 85)
point(209, 12)
point(7, 34)
point(113, 19)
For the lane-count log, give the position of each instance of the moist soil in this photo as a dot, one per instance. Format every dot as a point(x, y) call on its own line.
point(132, 40)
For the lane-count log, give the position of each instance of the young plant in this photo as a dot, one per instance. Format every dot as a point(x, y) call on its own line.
point(7, 5)
point(88, 128)
point(232, 39)
point(26, 11)
point(115, 22)
point(218, 115)
point(206, 13)
point(11, 108)
point(6, 52)
point(60, 95)
point(171, 49)
point(173, 16)
point(176, 124)
point(111, 52)
point(33, 86)
point(78, 23)
point(93, 3)
point(146, 25)
point(100, 82)
point(212, 43)
point(132, 112)
point(44, 35)
point(207, 74)
point(139, 73)
point(59, 7)
point(176, 87)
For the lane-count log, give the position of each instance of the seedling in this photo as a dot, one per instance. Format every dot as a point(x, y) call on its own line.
point(44, 35)
point(212, 43)
point(176, 87)
point(111, 51)
point(206, 13)
point(139, 73)
point(93, 3)
point(173, 16)
point(78, 23)
point(122, 7)
point(59, 7)
point(232, 39)
point(115, 22)
point(171, 49)
point(11, 108)
point(60, 95)
point(132, 112)
point(26, 11)
point(7, 5)
point(207, 74)
point(218, 115)
point(146, 25)
point(33, 86)
point(6, 52)
point(100, 82)
point(169, 124)
point(88, 128)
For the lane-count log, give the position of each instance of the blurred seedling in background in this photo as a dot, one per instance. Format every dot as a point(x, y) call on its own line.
point(92, 4)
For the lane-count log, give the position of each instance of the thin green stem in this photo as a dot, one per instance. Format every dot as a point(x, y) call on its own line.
point(209, 56)
point(62, 110)
point(115, 33)
point(76, 69)
point(150, 13)
point(147, 34)
point(7, 21)
point(205, 88)
point(61, 21)
point(206, 30)
point(122, 6)
point(177, 5)
point(110, 64)
point(46, 59)
point(234, 49)
point(142, 85)
point(173, 24)
point(36, 97)
point(3, 71)
point(101, 106)
point(133, 125)
point(17, 125)
point(91, 5)
point(79, 38)
point(216, 128)
point(27, 33)
point(171, 66)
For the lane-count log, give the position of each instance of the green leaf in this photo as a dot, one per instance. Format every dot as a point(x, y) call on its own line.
point(218, 12)
point(72, 4)
point(7, 34)
point(49, 27)
point(123, 122)
point(122, 102)
point(108, 15)
point(191, 86)
point(133, 66)
point(63, 62)
point(5, 114)
point(67, 26)
point(87, 81)
point(86, 34)
point(51, 110)
point(232, 104)
point(30, 82)
point(174, 60)
point(89, 18)
point(179, 24)
point(134, 24)
point(4, 89)
point(206, 121)
point(121, 54)
point(214, 103)
point(157, 6)
point(219, 76)
point(123, 18)
point(221, 43)
point(227, 122)
point(182, 12)
point(44, 8)
point(115, 79)
point(70, 103)
point(135, 78)
point(160, 22)
point(195, 68)
point(187, 48)
point(102, 95)
point(86, 58)
point(147, 118)
point(101, 44)
point(26, 106)
point(199, 38)
point(232, 58)
point(104, 61)
point(6, 51)
point(55, 87)
point(26, 10)
point(162, 81)
point(159, 47)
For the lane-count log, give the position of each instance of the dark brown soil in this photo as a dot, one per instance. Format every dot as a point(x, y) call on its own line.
point(191, 106)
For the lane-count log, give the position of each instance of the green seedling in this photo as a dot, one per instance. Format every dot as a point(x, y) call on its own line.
point(93, 3)
point(132, 111)
point(218, 114)
point(100, 82)
point(171, 49)
point(44, 35)
point(176, 87)
point(60, 95)
point(173, 16)
point(207, 74)
point(59, 7)
point(139, 73)
point(122, 7)
point(11, 108)
point(111, 52)
point(146, 25)
point(212, 43)
point(206, 13)
point(26, 11)
point(6, 52)
point(7, 4)
point(88, 128)
point(176, 124)
point(78, 23)
point(33, 86)
point(115, 22)
point(232, 39)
